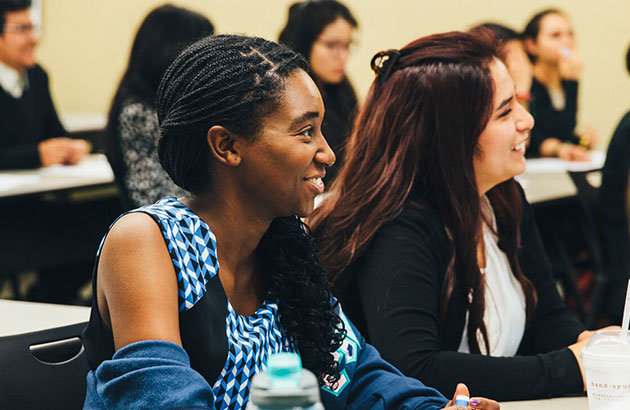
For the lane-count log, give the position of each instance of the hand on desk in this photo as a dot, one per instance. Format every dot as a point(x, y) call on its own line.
point(588, 138)
point(62, 150)
point(570, 152)
point(581, 343)
point(475, 402)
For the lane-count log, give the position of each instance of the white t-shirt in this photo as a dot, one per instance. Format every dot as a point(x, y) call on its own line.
point(504, 314)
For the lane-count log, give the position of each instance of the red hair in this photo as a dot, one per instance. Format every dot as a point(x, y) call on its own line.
point(418, 130)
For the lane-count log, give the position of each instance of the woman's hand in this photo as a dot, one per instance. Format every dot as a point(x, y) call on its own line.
point(475, 403)
point(570, 66)
point(588, 138)
point(582, 340)
point(576, 349)
point(585, 335)
point(570, 152)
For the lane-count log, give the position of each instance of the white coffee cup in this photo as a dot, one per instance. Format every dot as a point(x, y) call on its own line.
point(606, 361)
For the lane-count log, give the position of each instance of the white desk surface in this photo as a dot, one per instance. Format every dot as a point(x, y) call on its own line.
point(24, 317)
point(567, 403)
point(546, 179)
point(94, 170)
point(81, 122)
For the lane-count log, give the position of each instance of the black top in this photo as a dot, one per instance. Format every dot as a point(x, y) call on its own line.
point(131, 147)
point(399, 282)
point(341, 105)
point(613, 219)
point(549, 121)
point(612, 191)
point(26, 121)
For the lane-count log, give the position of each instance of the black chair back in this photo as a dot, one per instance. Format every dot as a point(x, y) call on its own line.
point(43, 370)
point(588, 198)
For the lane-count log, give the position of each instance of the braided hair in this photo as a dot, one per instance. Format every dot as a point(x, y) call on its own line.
point(234, 81)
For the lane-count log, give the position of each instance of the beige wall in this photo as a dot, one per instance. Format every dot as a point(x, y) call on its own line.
point(85, 43)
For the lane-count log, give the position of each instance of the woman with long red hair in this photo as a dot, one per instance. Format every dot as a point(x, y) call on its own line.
point(428, 239)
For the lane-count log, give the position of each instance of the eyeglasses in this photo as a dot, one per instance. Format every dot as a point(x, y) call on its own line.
point(22, 29)
point(338, 47)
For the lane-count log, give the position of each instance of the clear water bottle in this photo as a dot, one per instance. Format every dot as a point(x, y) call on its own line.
point(285, 386)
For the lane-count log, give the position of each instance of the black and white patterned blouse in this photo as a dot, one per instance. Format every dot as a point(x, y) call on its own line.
point(145, 180)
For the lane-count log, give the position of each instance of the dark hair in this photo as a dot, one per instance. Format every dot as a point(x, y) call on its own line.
point(163, 34)
point(501, 33)
point(532, 28)
point(234, 81)
point(8, 6)
point(418, 131)
point(628, 60)
point(307, 19)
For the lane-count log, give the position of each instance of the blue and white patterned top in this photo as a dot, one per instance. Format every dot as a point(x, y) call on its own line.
point(193, 250)
point(215, 366)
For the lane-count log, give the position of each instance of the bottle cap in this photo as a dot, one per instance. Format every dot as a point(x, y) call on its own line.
point(284, 369)
point(462, 400)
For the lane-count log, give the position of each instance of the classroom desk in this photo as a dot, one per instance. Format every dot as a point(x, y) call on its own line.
point(86, 126)
point(94, 171)
point(547, 179)
point(55, 216)
point(24, 317)
point(76, 122)
point(565, 403)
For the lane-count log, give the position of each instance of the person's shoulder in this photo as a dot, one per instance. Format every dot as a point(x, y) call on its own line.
point(417, 218)
point(624, 123)
point(133, 227)
point(417, 208)
point(146, 219)
point(134, 107)
point(37, 74)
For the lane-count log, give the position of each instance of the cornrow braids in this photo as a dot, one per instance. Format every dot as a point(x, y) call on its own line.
point(226, 80)
point(234, 81)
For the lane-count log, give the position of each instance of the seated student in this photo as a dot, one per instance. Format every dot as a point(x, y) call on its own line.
point(614, 205)
point(557, 67)
point(192, 295)
point(430, 241)
point(132, 129)
point(30, 132)
point(515, 58)
point(321, 30)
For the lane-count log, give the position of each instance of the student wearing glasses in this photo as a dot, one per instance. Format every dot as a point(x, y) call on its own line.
point(31, 134)
point(321, 30)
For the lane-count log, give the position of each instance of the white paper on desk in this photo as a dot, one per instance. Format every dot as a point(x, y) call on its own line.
point(554, 165)
point(12, 181)
point(545, 165)
point(597, 162)
point(89, 168)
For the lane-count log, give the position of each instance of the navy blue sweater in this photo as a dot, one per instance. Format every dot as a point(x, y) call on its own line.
point(26, 121)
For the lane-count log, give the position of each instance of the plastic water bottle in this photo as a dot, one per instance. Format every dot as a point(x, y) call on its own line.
point(285, 386)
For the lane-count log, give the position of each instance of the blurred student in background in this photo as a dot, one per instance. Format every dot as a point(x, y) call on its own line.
point(31, 134)
point(550, 43)
point(431, 243)
point(132, 128)
point(614, 207)
point(321, 30)
point(515, 58)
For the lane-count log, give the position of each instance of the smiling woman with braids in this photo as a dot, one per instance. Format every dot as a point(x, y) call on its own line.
point(192, 295)
point(430, 241)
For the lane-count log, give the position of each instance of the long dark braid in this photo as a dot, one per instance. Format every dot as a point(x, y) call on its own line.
point(234, 81)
